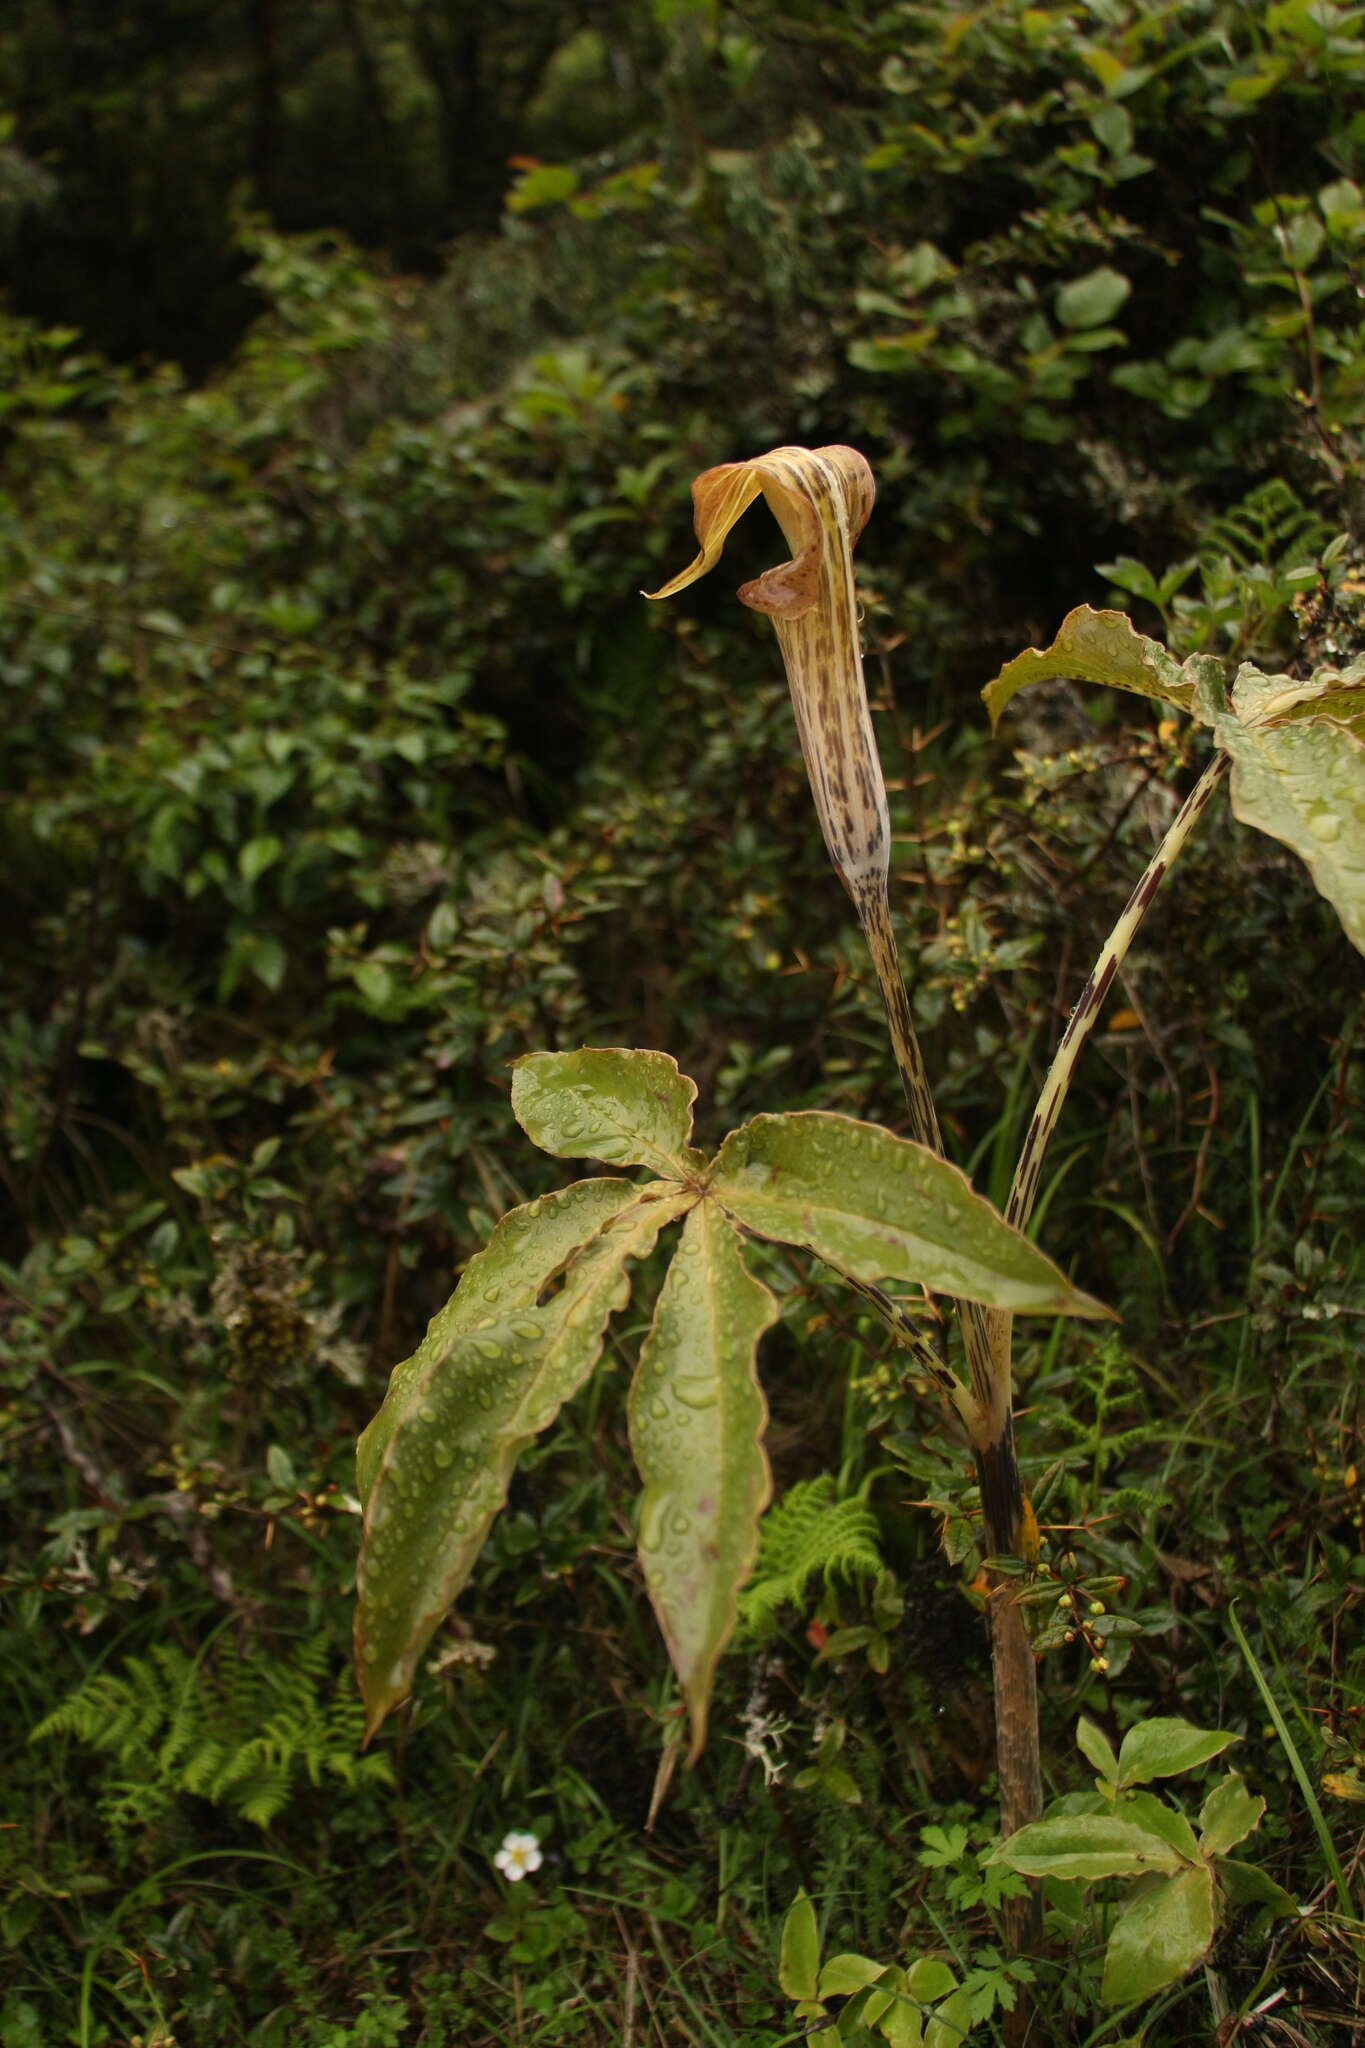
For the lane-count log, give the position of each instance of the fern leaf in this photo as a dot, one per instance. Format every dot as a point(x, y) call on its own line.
point(804, 1534)
point(236, 1727)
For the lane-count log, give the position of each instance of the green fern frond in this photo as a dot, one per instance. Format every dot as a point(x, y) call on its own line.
point(805, 1534)
point(233, 1728)
point(200, 1769)
point(259, 1784)
point(1270, 525)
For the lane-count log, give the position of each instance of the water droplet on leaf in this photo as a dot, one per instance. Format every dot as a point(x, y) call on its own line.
point(652, 1525)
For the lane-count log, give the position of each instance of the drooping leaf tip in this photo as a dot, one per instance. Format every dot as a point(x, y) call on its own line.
point(697, 1715)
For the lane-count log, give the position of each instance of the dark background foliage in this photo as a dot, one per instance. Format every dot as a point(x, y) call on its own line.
point(358, 359)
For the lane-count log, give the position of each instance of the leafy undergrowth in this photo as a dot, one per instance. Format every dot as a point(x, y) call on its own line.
point(190, 1584)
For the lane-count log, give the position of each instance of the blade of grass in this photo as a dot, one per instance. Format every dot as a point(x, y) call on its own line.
point(1296, 1764)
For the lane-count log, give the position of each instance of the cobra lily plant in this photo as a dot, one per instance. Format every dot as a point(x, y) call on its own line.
point(822, 499)
point(1296, 752)
point(527, 1323)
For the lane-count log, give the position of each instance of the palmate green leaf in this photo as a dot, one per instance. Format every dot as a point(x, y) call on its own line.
point(1269, 701)
point(879, 1207)
point(696, 1423)
point(901, 2023)
point(1160, 1936)
point(1297, 748)
point(884, 2005)
point(1298, 773)
point(1086, 1845)
point(525, 1252)
point(465, 1416)
point(1095, 647)
point(605, 1102)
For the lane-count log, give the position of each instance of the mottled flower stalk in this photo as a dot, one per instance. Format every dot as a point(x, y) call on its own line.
point(1085, 1016)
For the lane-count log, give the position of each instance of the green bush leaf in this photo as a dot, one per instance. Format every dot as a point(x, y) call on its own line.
point(1160, 1936)
point(374, 982)
point(526, 1250)
point(844, 1975)
point(1086, 1845)
point(798, 1967)
point(949, 2025)
point(1161, 1747)
point(876, 1206)
point(835, 1780)
point(465, 1417)
point(1228, 1815)
point(1091, 300)
point(1094, 647)
point(929, 1979)
point(542, 185)
point(257, 855)
point(696, 1422)
point(259, 954)
point(630, 1108)
point(886, 1997)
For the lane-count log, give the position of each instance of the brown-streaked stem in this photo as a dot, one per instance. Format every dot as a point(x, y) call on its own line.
point(1024, 1192)
point(991, 1429)
point(1017, 1750)
point(1028, 1173)
point(908, 1334)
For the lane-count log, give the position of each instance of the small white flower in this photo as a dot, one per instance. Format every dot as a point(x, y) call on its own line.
point(518, 1857)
